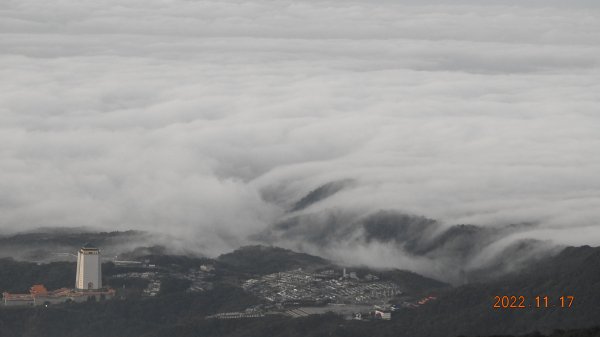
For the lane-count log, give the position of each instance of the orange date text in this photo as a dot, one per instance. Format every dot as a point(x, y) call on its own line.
point(523, 302)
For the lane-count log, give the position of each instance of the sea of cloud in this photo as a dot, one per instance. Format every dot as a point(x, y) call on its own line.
point(207, 120)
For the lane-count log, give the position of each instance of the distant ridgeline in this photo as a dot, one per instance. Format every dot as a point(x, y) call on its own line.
point(60, 244)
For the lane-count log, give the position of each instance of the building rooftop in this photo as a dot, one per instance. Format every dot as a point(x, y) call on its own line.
point(89, 246)
point(38, 289)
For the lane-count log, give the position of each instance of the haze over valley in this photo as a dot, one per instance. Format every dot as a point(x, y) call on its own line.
point(456, 139)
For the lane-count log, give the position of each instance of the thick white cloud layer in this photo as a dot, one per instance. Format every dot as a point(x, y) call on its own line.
point(208, 119)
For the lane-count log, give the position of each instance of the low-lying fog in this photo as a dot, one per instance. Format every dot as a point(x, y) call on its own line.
point(208, 121)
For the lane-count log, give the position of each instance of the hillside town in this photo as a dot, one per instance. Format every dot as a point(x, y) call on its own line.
point(294, 293)
point(298, 286)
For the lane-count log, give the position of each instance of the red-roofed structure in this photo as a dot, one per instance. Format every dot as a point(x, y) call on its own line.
point(39, 295)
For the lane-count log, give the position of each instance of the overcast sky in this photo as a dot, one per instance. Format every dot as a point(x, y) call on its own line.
point(208, 119)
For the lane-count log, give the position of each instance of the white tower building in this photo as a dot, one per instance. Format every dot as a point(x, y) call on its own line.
point(89, 268)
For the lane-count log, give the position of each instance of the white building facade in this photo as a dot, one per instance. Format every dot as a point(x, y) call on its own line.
point(89, 269)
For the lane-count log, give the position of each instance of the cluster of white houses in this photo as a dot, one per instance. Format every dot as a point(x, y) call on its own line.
point(88, 284)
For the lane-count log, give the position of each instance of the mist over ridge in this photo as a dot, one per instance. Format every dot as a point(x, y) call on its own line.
point(423, 135)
